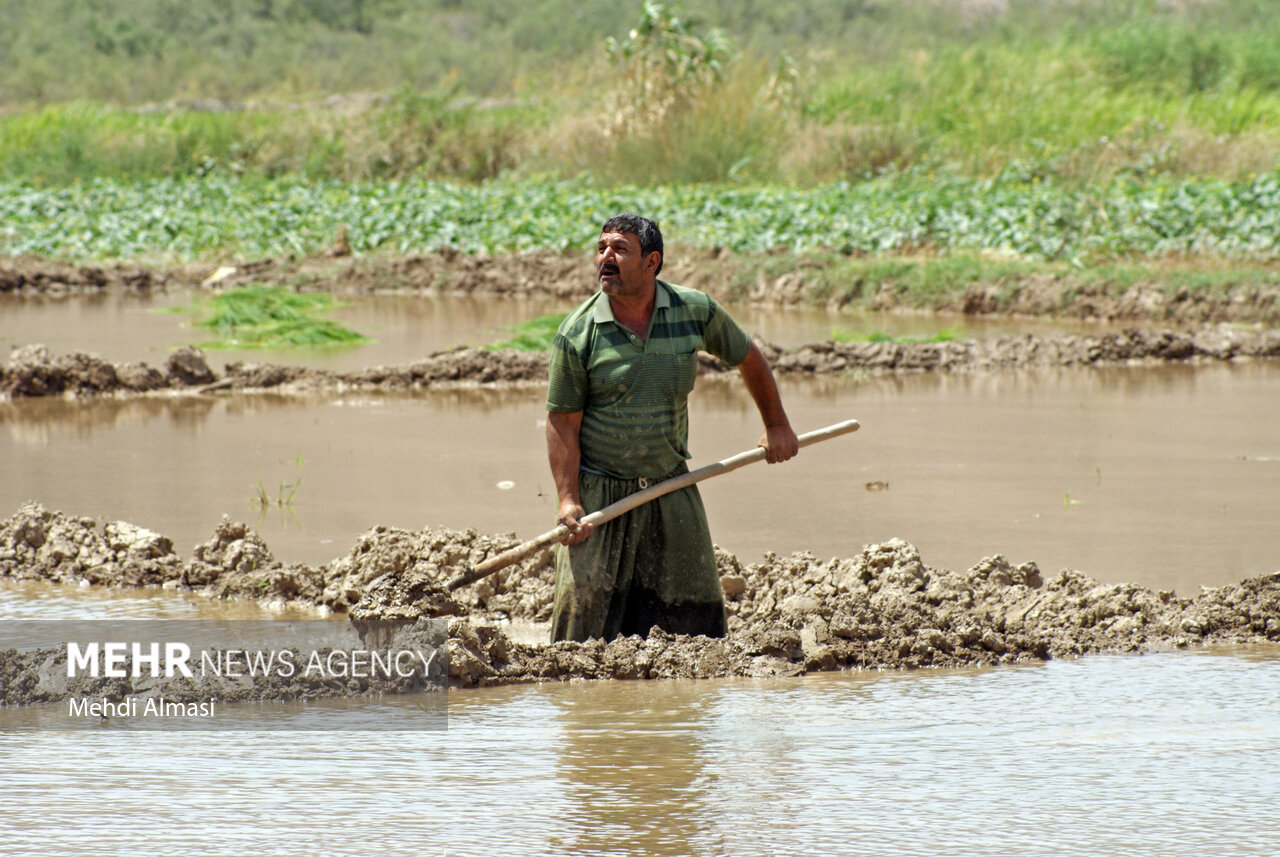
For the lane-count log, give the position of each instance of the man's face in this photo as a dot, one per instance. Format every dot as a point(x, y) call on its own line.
point(621, 269)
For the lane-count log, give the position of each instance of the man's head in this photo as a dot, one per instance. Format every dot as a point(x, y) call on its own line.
point(629, 254)
point(648, 233)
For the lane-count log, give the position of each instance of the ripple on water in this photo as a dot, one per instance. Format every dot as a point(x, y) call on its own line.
point(1159, 754)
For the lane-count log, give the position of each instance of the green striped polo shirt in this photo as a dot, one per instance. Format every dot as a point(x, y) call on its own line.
point(634, 393)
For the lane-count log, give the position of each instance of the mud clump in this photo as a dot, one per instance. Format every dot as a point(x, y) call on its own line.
point(884, 608)
point(36, 544)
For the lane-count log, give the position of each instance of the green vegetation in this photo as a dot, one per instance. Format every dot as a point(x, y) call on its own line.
point(944, 335)
point(283, 500)
point(536, 334)
point(914, 150)
point(794, 91)
point(900, 213)
point(273, 317)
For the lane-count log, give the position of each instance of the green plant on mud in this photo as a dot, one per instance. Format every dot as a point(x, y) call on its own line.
point(259, 316)
point(536, 334)
point(944, 335)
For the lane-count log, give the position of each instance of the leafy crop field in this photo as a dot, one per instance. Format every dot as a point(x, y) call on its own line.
point(217, 218)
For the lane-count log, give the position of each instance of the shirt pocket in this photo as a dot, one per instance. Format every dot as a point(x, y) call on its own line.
point(671, 376)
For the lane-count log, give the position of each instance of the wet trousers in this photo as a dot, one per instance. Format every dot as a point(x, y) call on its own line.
point(654, 565)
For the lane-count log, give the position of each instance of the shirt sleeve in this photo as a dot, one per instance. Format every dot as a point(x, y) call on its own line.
point(567, 390)
point(724, 338)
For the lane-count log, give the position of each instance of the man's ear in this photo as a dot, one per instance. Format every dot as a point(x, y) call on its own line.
point(652, 262)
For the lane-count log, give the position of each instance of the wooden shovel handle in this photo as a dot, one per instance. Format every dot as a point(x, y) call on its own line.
point(632, 501)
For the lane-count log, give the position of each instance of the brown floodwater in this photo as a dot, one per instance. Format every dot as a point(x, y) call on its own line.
point(1141, 756)
point(123, 327)
point(1168, 477)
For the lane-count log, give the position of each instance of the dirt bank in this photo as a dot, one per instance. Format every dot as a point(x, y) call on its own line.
point(1142, 295)
point(883, 608)
point(32, 275)
point(33, 371)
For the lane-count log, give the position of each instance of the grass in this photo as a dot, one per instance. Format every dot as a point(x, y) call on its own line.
point(944, 335)
point(535, 335)
point(1077, 93)
point(272, 317)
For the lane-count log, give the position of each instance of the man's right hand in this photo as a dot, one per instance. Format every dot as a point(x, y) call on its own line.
point(570, 515)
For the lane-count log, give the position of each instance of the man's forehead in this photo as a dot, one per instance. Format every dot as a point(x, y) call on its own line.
point(616, 237)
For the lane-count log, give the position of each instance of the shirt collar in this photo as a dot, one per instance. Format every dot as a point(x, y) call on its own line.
point(661, 300)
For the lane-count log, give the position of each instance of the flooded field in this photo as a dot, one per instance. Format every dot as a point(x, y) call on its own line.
point(1106, 755)
point(144, 327)
point(1167, 477)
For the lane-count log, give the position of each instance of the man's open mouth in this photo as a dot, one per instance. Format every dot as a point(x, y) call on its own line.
point(608, 270)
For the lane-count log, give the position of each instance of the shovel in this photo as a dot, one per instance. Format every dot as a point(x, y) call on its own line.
point(632, 501)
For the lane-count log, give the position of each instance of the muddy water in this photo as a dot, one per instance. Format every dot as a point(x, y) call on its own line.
point(51, 601)
point(1153, 755)
point(121, 327)
point(1167, 477)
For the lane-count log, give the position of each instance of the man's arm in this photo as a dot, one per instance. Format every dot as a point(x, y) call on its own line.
point(565, 456)
point(779, 440)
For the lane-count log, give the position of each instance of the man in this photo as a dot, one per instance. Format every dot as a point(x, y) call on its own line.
point(622, 367)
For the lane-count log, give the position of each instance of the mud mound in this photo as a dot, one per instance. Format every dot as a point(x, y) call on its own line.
point(1049, 296)
point(34, 275)
point(33, 372)
point(1028, 351)
point(36, 544)
point(884, 608)
point(389, 573)
point(449, 271)
point(393, 573)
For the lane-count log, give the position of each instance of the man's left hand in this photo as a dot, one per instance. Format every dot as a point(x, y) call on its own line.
point(779, 443)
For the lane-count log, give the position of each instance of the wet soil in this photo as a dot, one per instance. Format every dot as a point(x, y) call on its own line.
point(33, 371)
point(882, 609)
point(32, 275)
point(724, 275)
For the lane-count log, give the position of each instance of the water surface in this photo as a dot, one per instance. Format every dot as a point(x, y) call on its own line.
point(1157, 755)
point(120, 327)
point(1168, 477)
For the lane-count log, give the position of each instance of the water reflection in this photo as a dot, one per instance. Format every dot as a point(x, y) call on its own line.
point(634, 770)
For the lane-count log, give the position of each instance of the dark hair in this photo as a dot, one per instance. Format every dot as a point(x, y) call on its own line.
point(642, 227)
